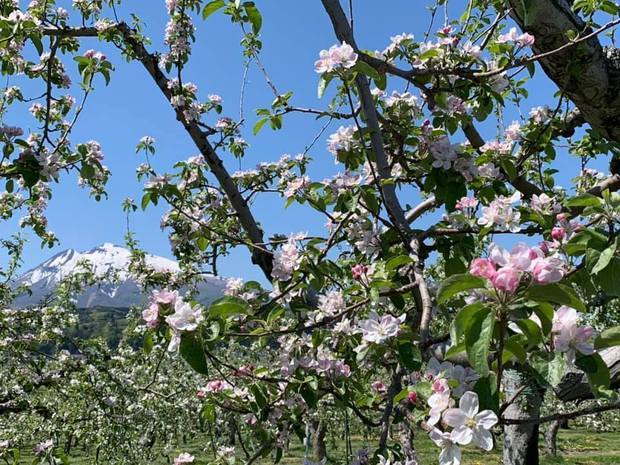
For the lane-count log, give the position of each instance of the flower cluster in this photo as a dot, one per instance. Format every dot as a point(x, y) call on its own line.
point(501, 214)
point(568, 336)
point(286, 260)
point(505, 270)
point(181, 316)
point(524, 40)
point(338, 57)
point(469, 426)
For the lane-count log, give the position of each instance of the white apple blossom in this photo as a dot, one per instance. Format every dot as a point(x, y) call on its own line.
point(337, 57)
point(469, 424)
point(450, 453)
point(378, 329)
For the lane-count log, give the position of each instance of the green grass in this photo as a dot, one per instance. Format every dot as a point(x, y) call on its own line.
point(576, 447)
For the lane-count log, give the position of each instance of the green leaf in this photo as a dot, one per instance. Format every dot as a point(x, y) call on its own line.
point(609, 279)
point(585, 200)
point(515, 349)
point(366, 69)
point(146, 198)
point(545, 313)
point(596, 370)
point(228, 306)
point(397, 261)
point(409, 355)
point(465, 316)
point(192, 352)
point(457, 283)
point(259, 125)
point(557, 294)
point(323, 83)
point(557, 369)
point(212, 7)
point(608, 338)
point(148, 342)
point(254, 16)
point(478, 340)
point(531, 331)
point(605, 258)
point(486, 388)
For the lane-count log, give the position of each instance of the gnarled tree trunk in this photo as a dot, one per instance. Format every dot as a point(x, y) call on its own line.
point(521, 441)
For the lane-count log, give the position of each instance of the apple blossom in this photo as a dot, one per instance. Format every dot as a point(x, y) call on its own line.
point(507, 279)
point(183, 458)
point(450, 453)
point(483, 268)
point(286, 260)
point(568, 336)
point(469, 424)
point(378, 329)
point(548, 270)
point(342, 139)
point(337, 57)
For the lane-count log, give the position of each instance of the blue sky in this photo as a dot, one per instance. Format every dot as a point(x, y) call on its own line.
point(131, 107)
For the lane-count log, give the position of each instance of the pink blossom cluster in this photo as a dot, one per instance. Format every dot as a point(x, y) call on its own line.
point(338, 57)
point(295, 186)
point(466, 204)
point(501, 214)
point(524, 40)
point(177, 36)
point(506, 270)
point(286, 260)
point(396, 42)
point(444, 153)
point(342, 140)
point(158, 298)
point(568, 336)
point(501, 148)
point(343, 182)
point(94, 55)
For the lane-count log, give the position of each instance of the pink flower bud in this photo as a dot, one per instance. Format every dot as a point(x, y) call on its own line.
point(379, 387)
point(558, 233)
point(358, 271)
point(548, 270)
point(507, 279)
point(483, 268)
point(412, 397)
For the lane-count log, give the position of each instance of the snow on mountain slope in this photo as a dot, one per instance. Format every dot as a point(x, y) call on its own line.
point(108, 261)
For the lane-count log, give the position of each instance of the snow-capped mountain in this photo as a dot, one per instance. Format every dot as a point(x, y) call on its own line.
point(117, 289)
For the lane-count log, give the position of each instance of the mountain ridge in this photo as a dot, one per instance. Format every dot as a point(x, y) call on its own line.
point(117, 287)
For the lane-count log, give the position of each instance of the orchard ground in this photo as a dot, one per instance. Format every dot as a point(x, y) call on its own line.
point(576, 447)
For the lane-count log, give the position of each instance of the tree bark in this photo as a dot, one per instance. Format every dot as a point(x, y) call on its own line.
point(575, 386)
point(588, 73)
point(551, 438)
point(319, 450)
point(521, 441)
point(407, 436)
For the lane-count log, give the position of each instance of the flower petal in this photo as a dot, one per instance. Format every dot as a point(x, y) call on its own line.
point(454, 417)
point(462, 434)
point(486, 419)
point(469, 404)
point(437, 437)
point(483, 439)
point(450, 455)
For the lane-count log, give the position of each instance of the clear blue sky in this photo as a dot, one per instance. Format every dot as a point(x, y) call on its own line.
point(131, 107)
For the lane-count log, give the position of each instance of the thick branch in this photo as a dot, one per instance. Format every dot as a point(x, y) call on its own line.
point(587, 73)
point(564, 416)
point(422, 296)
